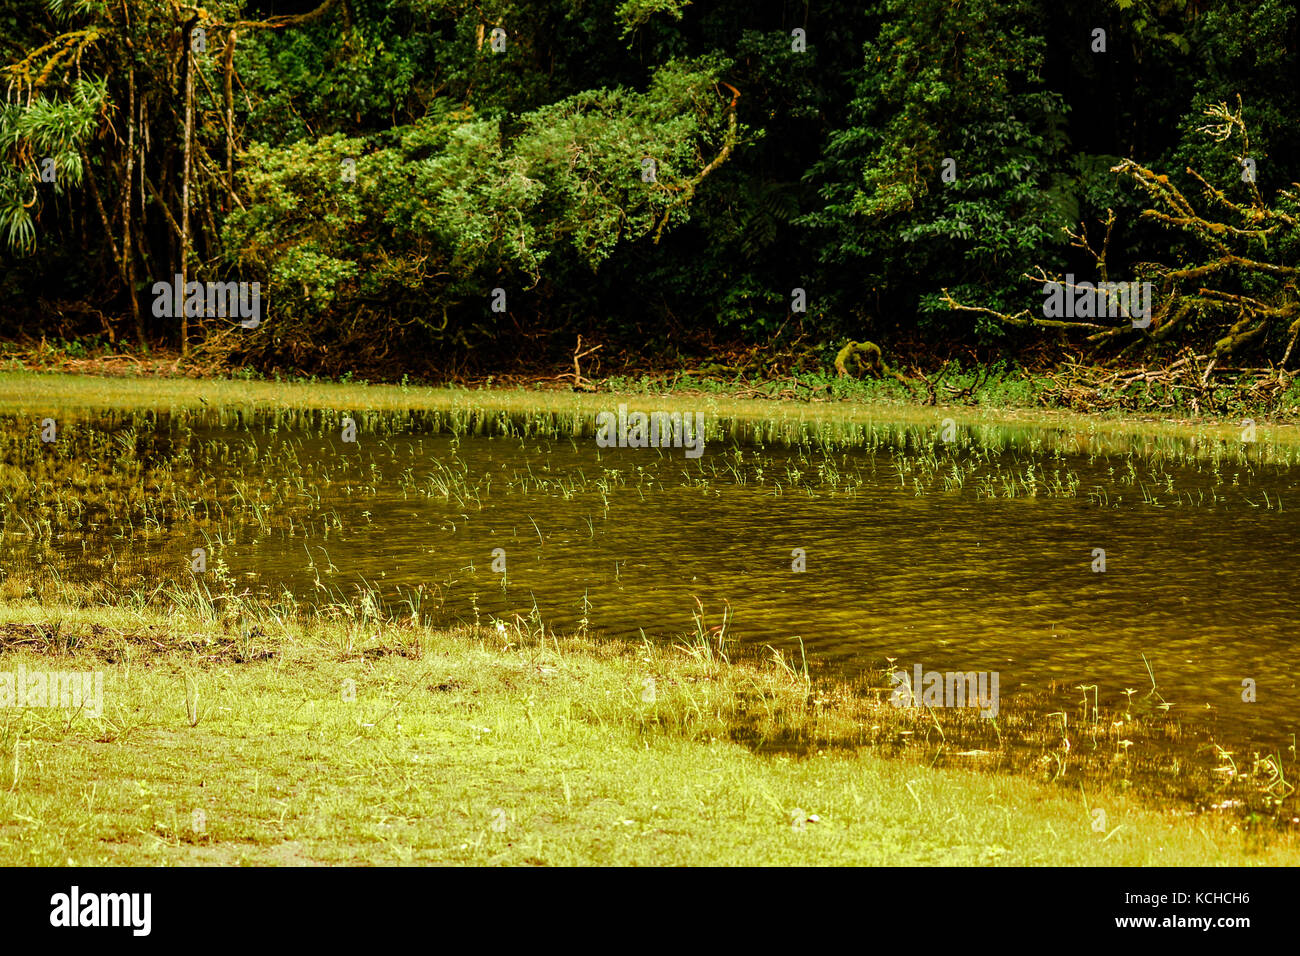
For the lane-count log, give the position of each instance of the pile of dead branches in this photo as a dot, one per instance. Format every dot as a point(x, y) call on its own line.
point(1192, 385)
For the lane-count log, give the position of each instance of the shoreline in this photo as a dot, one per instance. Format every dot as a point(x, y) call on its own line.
point(33, 393)
point(321, 741)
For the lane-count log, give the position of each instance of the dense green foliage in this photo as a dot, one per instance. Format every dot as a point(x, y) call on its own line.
point(418, 184)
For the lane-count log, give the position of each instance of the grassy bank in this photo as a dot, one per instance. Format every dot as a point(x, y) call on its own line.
point(1189, 388)
point(38, 394)
point(344, 738)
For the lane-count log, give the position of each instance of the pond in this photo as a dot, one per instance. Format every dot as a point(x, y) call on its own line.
point(1157, 571)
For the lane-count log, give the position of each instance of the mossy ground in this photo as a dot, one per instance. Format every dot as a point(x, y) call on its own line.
point(502, 745)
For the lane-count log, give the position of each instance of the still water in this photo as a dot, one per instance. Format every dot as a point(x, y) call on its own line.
point(1041, 557)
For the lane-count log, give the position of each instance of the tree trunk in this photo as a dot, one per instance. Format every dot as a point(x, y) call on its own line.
point(187, 59)
point(229, 93)
point(128, 259)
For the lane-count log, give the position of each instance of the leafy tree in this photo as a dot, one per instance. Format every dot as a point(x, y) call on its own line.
point(951, 168)
point(412, 250)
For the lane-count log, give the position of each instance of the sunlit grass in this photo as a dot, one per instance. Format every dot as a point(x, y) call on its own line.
point(345, 736)
point(31, 394)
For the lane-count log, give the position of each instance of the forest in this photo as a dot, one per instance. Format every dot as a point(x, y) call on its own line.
point(434, 187)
